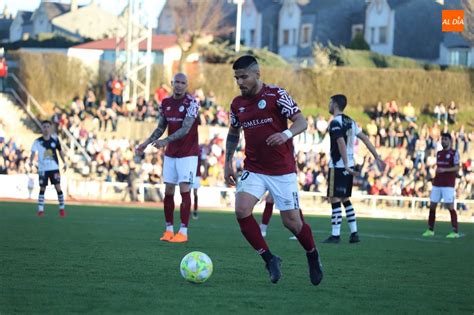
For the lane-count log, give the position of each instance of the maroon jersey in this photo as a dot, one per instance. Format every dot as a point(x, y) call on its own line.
point(445, 159)
point(260, 116)
point(174, 111)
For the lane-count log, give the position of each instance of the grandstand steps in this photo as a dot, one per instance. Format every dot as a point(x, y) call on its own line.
point(16, 122)
point(141, 130)
point(126, 128)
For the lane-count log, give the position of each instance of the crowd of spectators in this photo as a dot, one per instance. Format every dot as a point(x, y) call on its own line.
point(408, 148)
point(13, 156)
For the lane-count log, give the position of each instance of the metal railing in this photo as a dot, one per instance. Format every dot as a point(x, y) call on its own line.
point(25, 106)
point(30, 104)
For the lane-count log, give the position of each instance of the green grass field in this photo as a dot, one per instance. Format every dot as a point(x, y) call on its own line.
point(110, 260)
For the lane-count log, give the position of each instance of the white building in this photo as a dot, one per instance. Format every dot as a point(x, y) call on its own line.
point(69, 20)
point(412, 28)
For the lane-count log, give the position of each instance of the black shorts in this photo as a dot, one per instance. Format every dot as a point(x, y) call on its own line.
point(53, 176)
point(339, 183)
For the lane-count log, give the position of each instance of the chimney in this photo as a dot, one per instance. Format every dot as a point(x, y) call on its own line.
point(441, 2)
point(73, 5)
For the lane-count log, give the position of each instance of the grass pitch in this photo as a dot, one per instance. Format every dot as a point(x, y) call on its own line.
point(110, 260)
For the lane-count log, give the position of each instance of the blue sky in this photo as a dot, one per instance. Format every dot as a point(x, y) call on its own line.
point(113, 6)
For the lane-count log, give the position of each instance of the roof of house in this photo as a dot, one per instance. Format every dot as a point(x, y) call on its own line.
point(5, 28)
point(53, 9)
point(25, 15)
point(424, 17)
point(91, 21)
point(263, 5)
point(396, 3)
point(317, 5)
point(455, 40)
point(159, 42)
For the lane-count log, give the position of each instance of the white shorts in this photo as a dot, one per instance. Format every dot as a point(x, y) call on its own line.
point(283, 188)
point(445, 193)
point(179, 170)
point(197, 182)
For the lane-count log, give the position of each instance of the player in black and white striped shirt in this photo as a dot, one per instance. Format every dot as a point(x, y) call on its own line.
point(47, 147)
point(343, 131)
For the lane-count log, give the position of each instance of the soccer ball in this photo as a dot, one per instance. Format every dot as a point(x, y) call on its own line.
point(196, 267)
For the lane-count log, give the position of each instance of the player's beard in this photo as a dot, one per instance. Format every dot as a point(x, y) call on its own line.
point(248, 91)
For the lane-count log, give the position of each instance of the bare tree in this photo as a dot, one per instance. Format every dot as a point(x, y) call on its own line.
point(194, 21)
point(468, 33)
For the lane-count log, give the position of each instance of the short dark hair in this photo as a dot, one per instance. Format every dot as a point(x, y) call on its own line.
point(244, 62)
point(446, 135)
point(46, 121)
point(340, 100)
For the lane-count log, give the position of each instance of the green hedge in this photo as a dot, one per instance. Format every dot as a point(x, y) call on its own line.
point(363, 87)
point(369, 59)
point(55, 78)
point(52, 78)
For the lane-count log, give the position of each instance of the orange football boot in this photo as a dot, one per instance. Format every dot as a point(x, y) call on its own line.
point(167, 236)
point(179, 238)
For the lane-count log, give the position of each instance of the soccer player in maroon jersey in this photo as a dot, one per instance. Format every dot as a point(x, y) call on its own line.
point(263, 111)
point(447, 166)
point(178, 113)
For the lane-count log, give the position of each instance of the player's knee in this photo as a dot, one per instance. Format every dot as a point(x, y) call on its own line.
point(242, 211)
point(334, 199)
point(293, 223)
point(169, 189)
point(184, 187)
point(42, 190)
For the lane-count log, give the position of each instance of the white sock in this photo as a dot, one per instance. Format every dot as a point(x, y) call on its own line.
point(351, 218)
point(183, 230)
point(336, 219)
point(169, 228)
point(263, 228)
point(41, 203)
point(353, 226)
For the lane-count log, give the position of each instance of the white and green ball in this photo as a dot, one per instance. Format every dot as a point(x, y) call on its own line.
point(196, 267)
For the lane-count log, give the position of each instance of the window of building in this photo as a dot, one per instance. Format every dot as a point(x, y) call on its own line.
point(293, 39)
point(372, 35)
point(252, 37)
point(286, 37)
point(459, 57)
point(306, 34)
point(382, 35)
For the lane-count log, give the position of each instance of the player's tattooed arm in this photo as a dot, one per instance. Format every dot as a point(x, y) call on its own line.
point(183, 131)
point(231, 144)
point(157, 133)
point(160, 129)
